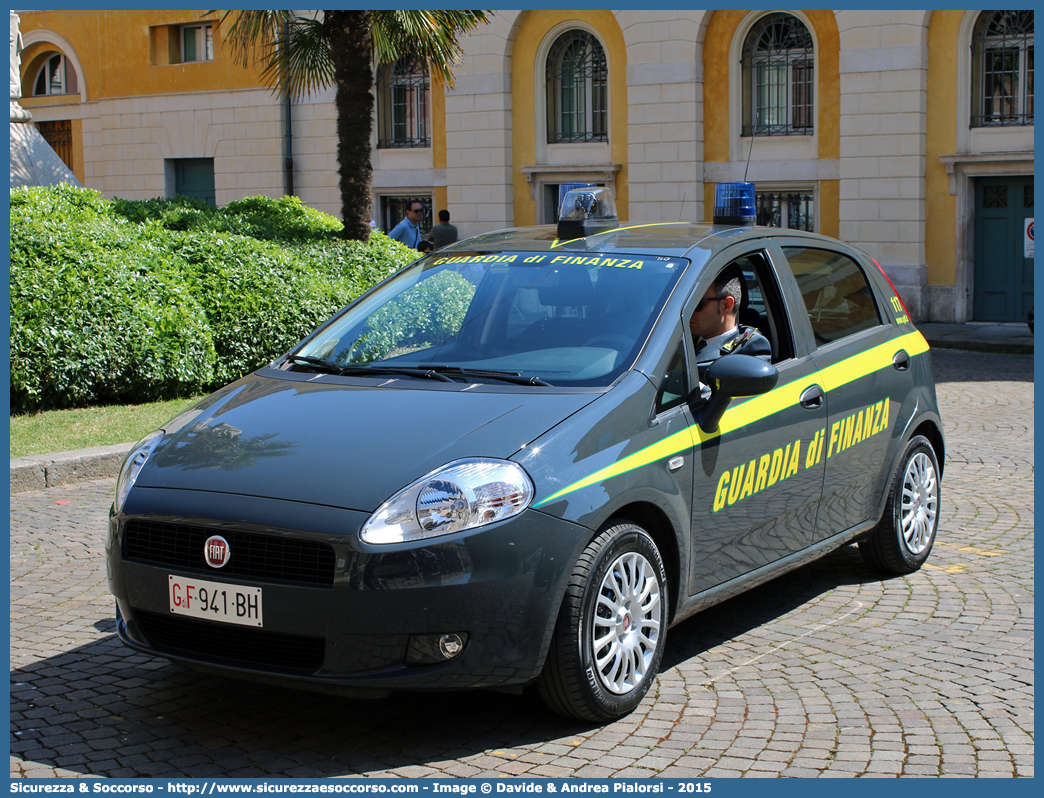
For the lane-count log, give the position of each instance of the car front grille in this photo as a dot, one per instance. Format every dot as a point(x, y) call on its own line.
point(254, 556)
point(230, 644)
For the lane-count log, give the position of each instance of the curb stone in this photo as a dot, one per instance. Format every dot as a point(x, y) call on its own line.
point(1001, 339)
point(67, 468)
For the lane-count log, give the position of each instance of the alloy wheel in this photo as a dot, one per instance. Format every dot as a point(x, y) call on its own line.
point(920, 503)
point(626, 624)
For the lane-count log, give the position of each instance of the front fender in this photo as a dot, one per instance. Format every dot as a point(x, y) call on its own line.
point(609, 460)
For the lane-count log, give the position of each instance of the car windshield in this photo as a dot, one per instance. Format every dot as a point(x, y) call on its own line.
point(562, 319)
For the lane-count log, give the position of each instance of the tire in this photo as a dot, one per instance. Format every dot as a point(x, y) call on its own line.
point(609, 637)
point(903, 538)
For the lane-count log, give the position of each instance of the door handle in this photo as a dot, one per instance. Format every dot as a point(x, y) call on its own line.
point(812, 397)
point(901, 361)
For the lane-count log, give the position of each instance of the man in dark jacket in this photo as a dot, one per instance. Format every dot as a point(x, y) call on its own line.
point(714, 328)
point(443, 234)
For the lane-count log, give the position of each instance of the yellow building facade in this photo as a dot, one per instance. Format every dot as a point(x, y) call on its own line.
point(907, 133)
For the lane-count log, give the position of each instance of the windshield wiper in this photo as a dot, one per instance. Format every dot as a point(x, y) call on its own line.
point(514, 377)
point(420, 372)
point(318, 362)
point(344, 370)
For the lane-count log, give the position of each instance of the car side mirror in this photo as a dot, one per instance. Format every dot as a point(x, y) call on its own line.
point(730, 377)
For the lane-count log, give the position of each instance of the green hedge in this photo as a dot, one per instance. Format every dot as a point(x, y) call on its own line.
point(285, 219)
point(129, 301)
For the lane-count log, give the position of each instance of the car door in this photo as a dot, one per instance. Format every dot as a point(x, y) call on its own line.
point(864, 358)
point(757, 486)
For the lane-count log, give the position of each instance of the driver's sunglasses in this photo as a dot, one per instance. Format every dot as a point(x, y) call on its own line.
point(703, 302)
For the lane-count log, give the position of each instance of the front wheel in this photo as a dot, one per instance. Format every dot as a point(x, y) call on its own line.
point(609, 637)
point(902, 540)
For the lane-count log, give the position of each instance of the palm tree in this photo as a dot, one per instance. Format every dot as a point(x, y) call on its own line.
point(302, 54)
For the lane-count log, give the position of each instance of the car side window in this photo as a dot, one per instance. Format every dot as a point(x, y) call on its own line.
point(837, 295)
point(675, 385)
point(762, 305)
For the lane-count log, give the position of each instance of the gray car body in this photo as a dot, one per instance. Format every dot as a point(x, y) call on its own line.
point(328, 450)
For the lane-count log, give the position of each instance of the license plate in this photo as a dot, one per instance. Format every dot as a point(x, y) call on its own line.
point(214, 601)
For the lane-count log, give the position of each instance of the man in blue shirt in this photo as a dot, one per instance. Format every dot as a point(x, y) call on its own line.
point(408, 230)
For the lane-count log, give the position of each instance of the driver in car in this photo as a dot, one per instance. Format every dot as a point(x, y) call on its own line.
point(714, 328)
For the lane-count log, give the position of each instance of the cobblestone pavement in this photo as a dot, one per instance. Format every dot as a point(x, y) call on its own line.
point(828, 671)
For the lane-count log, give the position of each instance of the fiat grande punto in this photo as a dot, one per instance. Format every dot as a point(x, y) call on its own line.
point(503, 466)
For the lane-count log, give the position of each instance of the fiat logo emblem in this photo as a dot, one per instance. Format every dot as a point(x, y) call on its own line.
point(216, 551)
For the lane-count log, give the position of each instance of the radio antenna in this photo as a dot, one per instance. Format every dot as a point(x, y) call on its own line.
point(682, 206)
point(751, 146)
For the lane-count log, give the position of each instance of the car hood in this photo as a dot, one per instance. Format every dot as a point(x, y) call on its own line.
point(349, 446)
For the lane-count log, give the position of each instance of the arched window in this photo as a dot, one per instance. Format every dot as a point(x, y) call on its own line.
point(403, 94)
point(56, 76)
point(1002, 69)
point(778, 78)
point(577, 89)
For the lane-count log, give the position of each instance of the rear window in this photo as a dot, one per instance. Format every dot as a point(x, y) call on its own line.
point(837, 295)
point(567, 318)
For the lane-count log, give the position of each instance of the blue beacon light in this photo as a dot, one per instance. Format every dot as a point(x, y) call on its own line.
point(734, 204)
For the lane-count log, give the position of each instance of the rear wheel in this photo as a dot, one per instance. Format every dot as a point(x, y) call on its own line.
point(609, 637)
point(902, 540)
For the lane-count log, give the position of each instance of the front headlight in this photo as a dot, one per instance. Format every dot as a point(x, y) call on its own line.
point(132, 467)
point(461, 495)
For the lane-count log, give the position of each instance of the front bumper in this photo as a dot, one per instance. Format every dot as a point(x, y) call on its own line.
point(351, 625)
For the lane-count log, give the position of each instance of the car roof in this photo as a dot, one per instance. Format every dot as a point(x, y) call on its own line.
point(654, 238)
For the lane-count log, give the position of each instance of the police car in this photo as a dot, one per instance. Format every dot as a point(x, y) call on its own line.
point(504, 466)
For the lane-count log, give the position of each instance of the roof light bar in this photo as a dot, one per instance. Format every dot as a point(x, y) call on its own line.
point(586, 211)
point(734, 204)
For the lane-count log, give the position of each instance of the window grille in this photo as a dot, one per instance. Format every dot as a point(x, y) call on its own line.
point(58, 134)
point(794, 210)
point(403, 95)
point(1002, 69)
point(995, 197)
point(778, 78)
point(577, 80)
